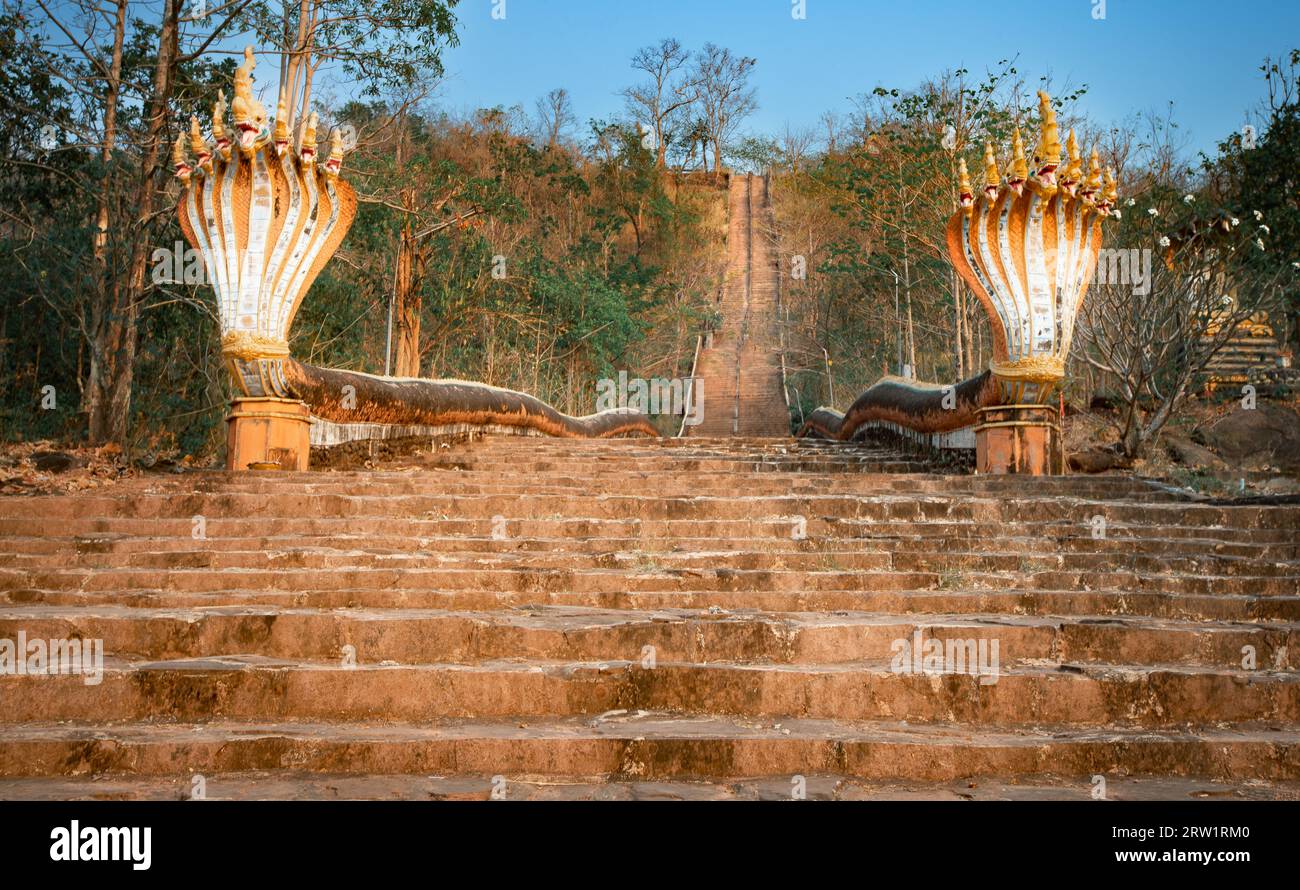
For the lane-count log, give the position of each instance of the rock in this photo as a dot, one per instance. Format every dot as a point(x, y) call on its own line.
point(56, 461)
point(1095, 460)
point(1189, 454)
point(1266, 434)
point(1281, 485)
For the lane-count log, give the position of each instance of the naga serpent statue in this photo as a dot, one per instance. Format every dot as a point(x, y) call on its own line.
point(1027, 247)
point(266, 219)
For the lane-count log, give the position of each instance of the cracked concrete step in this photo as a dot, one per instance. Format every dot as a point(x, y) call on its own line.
point(255, 687)
point(650, 747)
point(423, 635)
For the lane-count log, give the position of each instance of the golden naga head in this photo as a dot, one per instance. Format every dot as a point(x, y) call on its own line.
point(281, 124)
point(199, 145)
point(992, 178)
point(1074, 166)
point(248, 113)
point(265, 220)
point(1092, 185)
point(335, 160)
point(1047, 155)
point(965, 195)
point(221, 142)
point(1110, 192)
point(308, 150)
point(1027, 248)
point(180, 164)
point(1018, 170)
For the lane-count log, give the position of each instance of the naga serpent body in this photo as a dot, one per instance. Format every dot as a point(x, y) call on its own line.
point(353, 397)
point(904, 402)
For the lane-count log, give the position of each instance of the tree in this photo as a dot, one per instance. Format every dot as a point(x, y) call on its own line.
point(554, 116)
point(663, 102)
point(1153, 327)
point(1264, 173)
point(725, 96)
point(130, 81)
point(380, 46)
point(121, 247)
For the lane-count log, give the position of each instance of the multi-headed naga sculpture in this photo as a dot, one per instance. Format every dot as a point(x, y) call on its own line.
point(1026, 245)
point(266, 218)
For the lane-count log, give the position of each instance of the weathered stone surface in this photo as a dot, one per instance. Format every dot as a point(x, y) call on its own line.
point(1189, 454)
point(651, 619)
point(1095, 460)
point(1267, 434)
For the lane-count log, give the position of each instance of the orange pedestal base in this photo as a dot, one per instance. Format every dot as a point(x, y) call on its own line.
point(264, 434)
point(1020, 439)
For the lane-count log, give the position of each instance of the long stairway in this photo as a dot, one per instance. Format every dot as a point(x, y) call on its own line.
point(742, 369)
point(680, 618)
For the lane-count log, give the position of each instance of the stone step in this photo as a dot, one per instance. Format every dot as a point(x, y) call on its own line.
point(90, 533)
point(427, 635)
point(255, 687)
point(1006, 599)
point(297, 785)
point(781, 539)
point(649, 577)
point(637, 560)
point(630, 506)
point(650, 747)
point(649, 618)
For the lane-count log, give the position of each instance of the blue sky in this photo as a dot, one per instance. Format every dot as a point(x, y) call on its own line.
point(1201, 54)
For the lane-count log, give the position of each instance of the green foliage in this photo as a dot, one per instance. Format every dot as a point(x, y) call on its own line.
point(1266, 177)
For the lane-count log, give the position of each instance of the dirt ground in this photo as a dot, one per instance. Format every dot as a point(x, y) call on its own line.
point(47, 467)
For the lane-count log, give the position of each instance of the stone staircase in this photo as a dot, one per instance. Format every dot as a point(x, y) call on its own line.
point(741, 370)
point(549, 618)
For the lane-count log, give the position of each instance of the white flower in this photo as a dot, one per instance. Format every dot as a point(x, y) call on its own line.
point(1164, 242)
point(1187, 199)
point(1259, 242)
point(1153, 211)
point(1296, 264)
point(1235, 221)
point(1130, 202)
point(1265, 230)
point(1258, 215)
